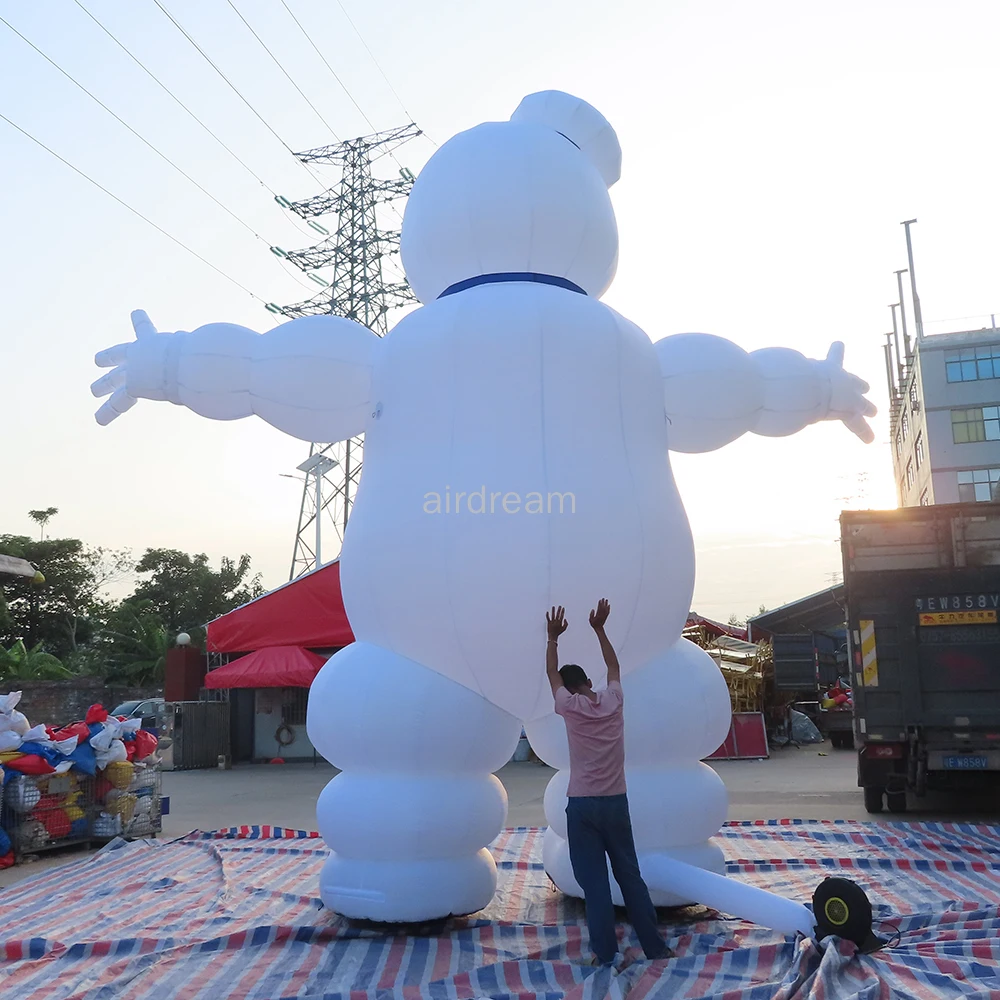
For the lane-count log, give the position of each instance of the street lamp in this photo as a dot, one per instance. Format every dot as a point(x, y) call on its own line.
point(317, 466)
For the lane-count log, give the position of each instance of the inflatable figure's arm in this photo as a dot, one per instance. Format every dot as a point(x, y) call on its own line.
point(310, 378)
point(715, 392)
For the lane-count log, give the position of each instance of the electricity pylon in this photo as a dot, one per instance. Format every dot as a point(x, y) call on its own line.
point(357, 289)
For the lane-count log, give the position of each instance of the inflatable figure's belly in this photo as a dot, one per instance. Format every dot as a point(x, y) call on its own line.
point(518, 460)
point(455, 562)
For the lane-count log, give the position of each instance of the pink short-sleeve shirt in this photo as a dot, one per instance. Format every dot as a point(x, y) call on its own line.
point(596, 732)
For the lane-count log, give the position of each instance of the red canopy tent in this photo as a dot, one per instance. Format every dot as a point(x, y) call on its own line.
point(273, 667)
point(716, 628)
point(308, 611)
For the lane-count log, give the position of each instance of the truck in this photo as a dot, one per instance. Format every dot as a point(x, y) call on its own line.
point(806, 665)
point(922, 596)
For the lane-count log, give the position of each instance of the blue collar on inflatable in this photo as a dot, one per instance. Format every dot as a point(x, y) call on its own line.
point(491, 279)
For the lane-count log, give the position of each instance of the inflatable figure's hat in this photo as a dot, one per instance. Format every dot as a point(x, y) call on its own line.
point(579, 122)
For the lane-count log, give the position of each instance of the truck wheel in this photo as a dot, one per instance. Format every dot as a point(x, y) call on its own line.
point(873, 798)
point(896, 801)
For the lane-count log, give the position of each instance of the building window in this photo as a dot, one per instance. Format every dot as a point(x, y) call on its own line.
point(909, 475)
point(979, 423)
point(904, 424)
point(913, 393)
point(899, 444)
point(972, 363)
point(979, 485)
point(918, 450)
point(925, 500)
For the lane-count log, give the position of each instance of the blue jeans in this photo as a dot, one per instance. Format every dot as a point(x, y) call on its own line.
point(599, 825)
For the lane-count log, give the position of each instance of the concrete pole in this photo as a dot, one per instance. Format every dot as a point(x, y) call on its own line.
point(918, 318)
point(319, 510)
point(902, 309)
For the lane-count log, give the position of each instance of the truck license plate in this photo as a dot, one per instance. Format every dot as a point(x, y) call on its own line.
point(965, 762)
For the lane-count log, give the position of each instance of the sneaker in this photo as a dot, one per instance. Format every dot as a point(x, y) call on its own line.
point(616, 965)
point(663, 955)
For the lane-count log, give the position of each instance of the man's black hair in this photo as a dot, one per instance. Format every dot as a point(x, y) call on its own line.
point(573, 676)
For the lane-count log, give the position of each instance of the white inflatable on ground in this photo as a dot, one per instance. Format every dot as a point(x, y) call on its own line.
point(10, 719)
point(21, 794)
point(517, 433)
point(9, 740)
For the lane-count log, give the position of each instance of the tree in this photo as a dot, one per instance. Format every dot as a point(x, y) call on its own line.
point(62, 612)
point(186, 593)
point(22, 664)
point(134, 644)
point(738, 622)
point(42, 518)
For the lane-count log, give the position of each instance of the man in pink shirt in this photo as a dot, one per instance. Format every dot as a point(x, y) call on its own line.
point(597, 817)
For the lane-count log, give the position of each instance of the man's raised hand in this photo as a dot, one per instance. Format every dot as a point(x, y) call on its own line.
point(555, 622)
point(600, 615)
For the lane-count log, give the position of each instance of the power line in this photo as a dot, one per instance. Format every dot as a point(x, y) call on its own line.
point(378, 66)
point(134, 211)
point(232, 86)
point(277, 63)
point(181, 104)
point(333, 72)
point(173, 96)
point(163, 156)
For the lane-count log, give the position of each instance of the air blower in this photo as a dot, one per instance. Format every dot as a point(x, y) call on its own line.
point(841, 907)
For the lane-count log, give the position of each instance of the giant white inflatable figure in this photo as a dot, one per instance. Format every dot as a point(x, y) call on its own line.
point(517, 433)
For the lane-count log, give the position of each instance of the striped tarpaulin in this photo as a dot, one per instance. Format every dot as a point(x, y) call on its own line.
point(233, 915)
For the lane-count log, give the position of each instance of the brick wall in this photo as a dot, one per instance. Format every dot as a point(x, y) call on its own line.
point(58, 703)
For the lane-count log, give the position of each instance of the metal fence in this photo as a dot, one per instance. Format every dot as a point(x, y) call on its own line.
point(40, 812)
point(198, 734)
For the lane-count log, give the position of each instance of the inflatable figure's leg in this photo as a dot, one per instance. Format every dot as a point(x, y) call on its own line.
point(677, 711)
point(409, 819)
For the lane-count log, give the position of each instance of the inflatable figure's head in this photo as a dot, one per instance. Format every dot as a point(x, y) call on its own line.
point(525, 196)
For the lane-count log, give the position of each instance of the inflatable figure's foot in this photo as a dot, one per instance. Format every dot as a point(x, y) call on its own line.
point(408, 891)
point(555, 854)
point(409, 818)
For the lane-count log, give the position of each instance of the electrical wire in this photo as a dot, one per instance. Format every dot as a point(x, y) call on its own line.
point(291, 218)
point(954, 319)
point(142, 138)
point(333, 72)
point(232, 86)
point(163, 156)
point(893, 941)
point(378, 66)
point(288, 76)
point(134, 211)
point(174, 97)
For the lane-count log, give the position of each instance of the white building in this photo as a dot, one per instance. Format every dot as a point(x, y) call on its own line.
point(945, 418)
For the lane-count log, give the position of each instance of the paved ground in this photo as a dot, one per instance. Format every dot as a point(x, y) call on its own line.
point(814, 782)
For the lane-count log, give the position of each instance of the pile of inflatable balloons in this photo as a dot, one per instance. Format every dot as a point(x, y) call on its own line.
point(94, 778)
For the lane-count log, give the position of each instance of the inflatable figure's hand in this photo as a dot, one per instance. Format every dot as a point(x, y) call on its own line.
point(138, 369)
point(847, 395)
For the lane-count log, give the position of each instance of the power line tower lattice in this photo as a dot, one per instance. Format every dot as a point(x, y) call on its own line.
point(359, 289)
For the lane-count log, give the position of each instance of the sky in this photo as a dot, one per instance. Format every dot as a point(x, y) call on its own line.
point(770, 151)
